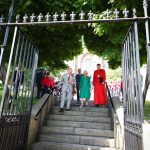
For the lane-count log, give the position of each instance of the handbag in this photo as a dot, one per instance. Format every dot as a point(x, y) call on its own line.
point(100, 79)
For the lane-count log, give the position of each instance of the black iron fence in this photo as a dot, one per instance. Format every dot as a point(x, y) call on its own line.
point(16, 99)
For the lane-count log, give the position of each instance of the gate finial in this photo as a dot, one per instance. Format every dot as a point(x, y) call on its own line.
point(107, 13)
point(1, 19)
point(55, 16)
point(125, 12)
point(32, 18)
point(116, 13)
point(17, 18)
point(134, 13)
point(145, 4)
point(25, 17)
point(47, 17)
point(72, 15)
point(63, 16)
point(90, 15)
point(40, 17)
point(82, 15)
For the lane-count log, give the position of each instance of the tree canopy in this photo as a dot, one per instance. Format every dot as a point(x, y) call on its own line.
point(58, 43)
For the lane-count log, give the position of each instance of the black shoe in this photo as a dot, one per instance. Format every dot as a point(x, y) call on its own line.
point(67, 109)
point(61, 110)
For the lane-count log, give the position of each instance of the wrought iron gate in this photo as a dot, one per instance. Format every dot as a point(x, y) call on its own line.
point(16, 100)
point(132, 93)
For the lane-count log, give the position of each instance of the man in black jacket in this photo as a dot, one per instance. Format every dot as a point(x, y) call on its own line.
point(39, 77)
point(78, 76)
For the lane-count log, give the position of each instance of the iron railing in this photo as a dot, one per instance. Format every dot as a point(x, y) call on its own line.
point(132, 90)
point(117, 126)
point(16, 100)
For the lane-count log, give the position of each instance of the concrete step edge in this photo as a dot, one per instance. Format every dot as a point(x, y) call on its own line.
point(65, 146)
point(75, 139)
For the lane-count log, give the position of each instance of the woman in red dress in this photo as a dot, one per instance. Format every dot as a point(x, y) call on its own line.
point(99, 79)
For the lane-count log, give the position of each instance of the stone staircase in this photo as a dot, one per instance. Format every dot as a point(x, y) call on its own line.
point(85, 128)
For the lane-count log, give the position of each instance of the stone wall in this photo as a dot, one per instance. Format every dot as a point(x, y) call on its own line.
point(38, 115)
point(118, 123)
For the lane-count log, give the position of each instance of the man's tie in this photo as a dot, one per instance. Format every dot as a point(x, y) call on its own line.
point(68, 77)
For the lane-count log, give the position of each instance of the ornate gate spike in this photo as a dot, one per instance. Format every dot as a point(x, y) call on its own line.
point(90, 15)
point(40, 16)
point(1, 19)
point(116, 13)
point(47, 17)
point(82, 15)
point(107, 13)
point(145, 4)
point(63, 16)
point(55, 16)
point(134, 13)
point(72, 16)
point(25, 17)
point(17, 18)
point(125, 12)
point(32, 18)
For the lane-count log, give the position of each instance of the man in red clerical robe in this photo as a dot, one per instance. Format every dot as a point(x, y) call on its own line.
point(99, 79)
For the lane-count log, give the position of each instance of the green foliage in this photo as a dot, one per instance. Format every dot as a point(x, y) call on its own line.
point(147, 110)
point(114, 74)
point(59, 43)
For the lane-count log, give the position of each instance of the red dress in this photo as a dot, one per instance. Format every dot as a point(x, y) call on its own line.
point(100, 97)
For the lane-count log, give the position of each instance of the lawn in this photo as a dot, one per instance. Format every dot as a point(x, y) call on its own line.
point(1, 90)
point(147, 110)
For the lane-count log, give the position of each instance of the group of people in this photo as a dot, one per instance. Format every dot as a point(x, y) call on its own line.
point(115, 88)
point(82, 82)
point(45, 83)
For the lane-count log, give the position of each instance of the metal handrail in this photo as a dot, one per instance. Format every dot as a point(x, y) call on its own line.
point(46, 96)
point(112, 104)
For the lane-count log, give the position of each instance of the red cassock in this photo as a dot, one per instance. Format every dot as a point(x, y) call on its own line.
point(100, 97)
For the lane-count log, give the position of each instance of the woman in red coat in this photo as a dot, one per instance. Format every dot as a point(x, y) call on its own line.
point(46, 84)
point(99, 79)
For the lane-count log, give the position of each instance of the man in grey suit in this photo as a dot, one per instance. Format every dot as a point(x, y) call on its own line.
point(67, 81)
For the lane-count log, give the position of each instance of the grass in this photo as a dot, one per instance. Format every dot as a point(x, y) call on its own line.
point(147, 110)
point(1, 89)
point(23, 99)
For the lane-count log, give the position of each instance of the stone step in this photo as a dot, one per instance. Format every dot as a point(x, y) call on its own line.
point(80, 118)
point(77, 131)
point(86, 125)
point(66, 146)
point(89, 109)
point(81, 113)
point(76, 139)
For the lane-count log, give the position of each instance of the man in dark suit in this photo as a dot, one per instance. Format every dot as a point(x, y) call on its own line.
point(78, 76)
point(18, 80)
point(39, 77)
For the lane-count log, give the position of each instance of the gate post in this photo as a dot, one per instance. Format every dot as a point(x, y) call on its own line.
point(147, 80)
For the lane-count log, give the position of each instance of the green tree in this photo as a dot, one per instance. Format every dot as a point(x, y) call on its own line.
point(63, 42)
